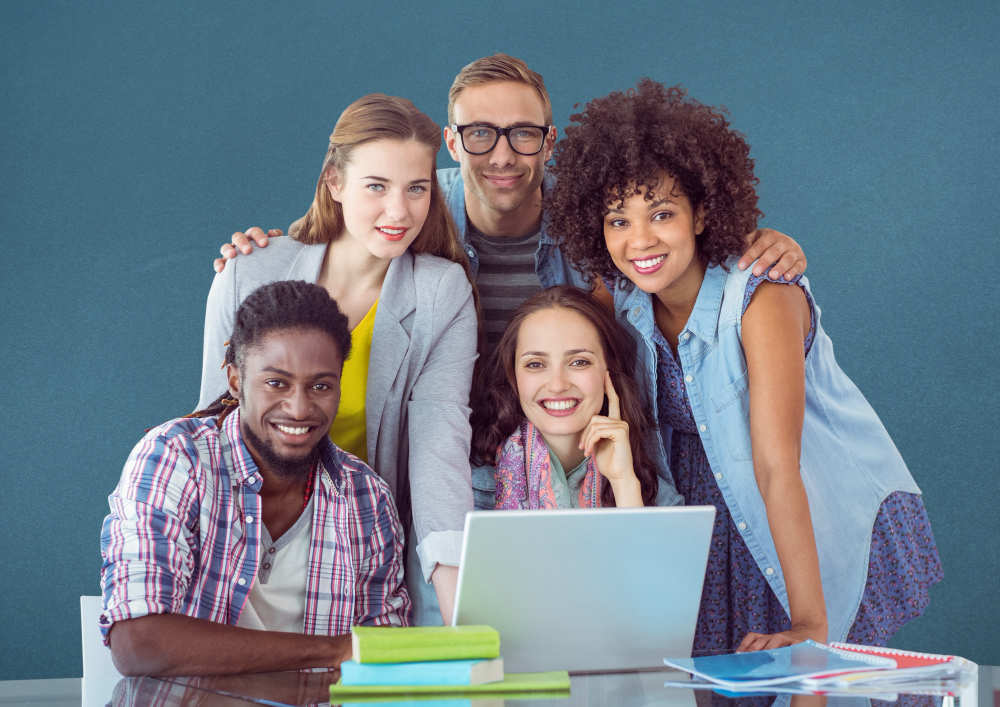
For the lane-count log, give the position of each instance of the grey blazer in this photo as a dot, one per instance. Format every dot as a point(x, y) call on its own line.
point(419, 376)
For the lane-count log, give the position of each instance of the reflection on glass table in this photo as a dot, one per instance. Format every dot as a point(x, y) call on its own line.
point(626, 689)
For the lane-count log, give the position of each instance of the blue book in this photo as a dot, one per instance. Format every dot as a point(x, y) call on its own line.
point(746, 671)
point(436, 672)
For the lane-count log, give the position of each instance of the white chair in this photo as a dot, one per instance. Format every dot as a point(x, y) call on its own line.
point(97, 661)
point(99, 672)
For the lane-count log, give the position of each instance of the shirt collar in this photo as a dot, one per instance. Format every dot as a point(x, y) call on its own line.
point(244, 466)
point(704, 319)
point(246, 469)
point(548, 182)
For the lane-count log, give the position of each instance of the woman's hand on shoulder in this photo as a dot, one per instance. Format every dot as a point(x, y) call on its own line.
point(798, 633)
point(241, 241)
point(769, 246)
point(606, 439)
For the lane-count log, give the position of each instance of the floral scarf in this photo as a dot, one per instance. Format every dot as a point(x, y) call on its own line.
point(524, 474)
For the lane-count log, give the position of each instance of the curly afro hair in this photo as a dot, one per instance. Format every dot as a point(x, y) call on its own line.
point(626, 141)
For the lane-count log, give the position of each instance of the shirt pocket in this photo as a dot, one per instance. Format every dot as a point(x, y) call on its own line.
point(732, 410)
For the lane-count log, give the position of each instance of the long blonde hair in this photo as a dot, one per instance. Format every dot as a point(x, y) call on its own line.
point(381, 117)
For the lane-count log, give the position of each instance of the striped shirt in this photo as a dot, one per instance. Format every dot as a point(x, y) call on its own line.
point(183, 535)
point(506, 277)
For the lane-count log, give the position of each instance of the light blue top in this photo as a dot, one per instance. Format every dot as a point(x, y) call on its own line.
point(848, 462)
point(566, 486)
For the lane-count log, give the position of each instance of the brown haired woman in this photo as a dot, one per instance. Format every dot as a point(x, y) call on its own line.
point(820, 529)
point(558, 409)
point(379, 239)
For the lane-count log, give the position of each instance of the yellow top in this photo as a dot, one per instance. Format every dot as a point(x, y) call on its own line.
point(349, 431)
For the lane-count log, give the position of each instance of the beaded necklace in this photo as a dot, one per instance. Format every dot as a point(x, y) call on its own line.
point(309, 486)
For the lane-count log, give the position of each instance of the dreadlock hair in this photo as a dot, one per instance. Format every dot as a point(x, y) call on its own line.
point(496, 407)
point(286, 304)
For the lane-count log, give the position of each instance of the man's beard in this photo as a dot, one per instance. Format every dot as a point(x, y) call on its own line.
point(291, 469)
point(507, 202)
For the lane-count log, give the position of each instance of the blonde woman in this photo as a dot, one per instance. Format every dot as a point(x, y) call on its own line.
point(379, 239)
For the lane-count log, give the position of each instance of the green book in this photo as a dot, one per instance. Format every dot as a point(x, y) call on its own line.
point(389, 644)
point(521, 684)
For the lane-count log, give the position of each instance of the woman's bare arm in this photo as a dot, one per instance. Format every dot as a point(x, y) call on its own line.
point(774, 327)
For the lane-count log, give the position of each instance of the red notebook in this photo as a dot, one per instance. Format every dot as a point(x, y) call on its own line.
point(904, 659)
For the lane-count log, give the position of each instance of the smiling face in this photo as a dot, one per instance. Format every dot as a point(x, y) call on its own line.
point(289, 390)
point(385, 194)
point(502, 180)
point(652, 241)
point(559, 368)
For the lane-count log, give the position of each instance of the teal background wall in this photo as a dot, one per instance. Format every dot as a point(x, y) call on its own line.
point(135, 138)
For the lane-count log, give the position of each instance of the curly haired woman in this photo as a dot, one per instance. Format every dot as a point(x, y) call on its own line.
point(820, 529)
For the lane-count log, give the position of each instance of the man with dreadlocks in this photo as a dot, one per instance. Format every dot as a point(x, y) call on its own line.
point(246, 516)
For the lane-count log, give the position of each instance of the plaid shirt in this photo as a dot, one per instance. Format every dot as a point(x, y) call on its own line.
point(183, 534)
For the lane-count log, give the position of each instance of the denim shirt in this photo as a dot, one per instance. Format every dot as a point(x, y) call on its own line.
point(551, 265)
point(848, 462)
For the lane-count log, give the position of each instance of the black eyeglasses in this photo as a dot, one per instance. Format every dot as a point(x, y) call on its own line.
point(523, 139)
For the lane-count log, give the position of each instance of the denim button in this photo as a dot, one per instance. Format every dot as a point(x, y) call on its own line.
point(718, 476)
point(743, 526)
point(688, 378)
point(769, 571)
point(687, 335)
point(703, 428)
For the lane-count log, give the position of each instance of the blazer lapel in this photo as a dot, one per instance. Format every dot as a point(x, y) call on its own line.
point(390, 342)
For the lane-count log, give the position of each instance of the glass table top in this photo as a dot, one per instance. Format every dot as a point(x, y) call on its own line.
point(626, 689)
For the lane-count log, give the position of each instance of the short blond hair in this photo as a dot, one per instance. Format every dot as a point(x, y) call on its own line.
point(499, 67)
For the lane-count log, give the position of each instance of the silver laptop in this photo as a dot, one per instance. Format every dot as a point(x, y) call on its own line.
point(585, 590)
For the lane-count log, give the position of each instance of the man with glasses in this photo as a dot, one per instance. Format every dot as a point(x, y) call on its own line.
point(500, 132)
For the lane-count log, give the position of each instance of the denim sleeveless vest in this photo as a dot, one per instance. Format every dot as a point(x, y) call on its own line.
point(848, 463)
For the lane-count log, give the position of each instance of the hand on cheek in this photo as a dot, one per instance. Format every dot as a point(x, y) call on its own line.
point(606, 439)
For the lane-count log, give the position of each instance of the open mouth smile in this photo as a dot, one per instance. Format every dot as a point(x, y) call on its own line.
point(294, 431)
point(392, 234)
point(645, 266)
point(560, 407)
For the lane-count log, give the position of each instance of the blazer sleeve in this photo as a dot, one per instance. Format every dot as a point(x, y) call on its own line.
point(439, 430)
point(220, 312)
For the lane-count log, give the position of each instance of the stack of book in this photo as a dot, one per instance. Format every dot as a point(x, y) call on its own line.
point(434, 660)
point(834, 669)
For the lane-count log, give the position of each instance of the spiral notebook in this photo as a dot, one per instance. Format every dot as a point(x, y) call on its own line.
point(779, 666)
point(912, 670)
